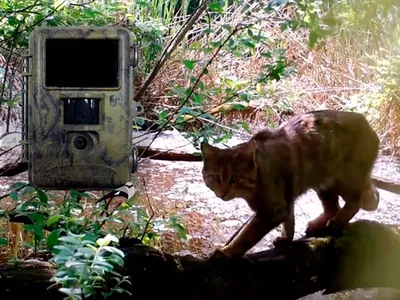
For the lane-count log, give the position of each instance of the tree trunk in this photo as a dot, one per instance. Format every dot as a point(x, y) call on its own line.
point(367, 255)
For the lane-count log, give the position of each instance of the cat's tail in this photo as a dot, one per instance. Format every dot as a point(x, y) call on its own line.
point(370, 197)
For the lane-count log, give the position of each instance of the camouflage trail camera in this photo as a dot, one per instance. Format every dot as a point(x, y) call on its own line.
point(78, 107)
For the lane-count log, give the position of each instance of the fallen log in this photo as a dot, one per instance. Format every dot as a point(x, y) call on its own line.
point(158, 154)
point(367, 255)
point(386, 184)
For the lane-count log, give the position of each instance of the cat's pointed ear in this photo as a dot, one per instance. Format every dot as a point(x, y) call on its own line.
point(251, 150)
point(207, 150)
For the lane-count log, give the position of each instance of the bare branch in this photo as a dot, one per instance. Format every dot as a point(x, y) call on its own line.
point(171, 48)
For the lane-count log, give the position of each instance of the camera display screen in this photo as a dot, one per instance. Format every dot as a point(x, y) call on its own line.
point(82, 63)
point(81, 111)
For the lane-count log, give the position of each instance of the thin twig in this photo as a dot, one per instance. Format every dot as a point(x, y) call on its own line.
point(239, 230)
point(106, 206)
point(110, 214)
point(8, 150)
point(203, 72)
point(3, 88)
point(82, 4)
point(150, 206)
point(179, 36)
point(34, 24)
point(16, 190)
point(223, 126)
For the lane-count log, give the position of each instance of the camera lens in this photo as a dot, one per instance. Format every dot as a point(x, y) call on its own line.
point(80, 143)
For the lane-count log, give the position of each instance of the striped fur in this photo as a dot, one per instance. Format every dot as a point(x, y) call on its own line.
point(330, 152)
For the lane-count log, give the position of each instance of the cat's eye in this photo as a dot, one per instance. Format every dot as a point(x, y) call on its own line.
point(234, 179)
point(215, 177)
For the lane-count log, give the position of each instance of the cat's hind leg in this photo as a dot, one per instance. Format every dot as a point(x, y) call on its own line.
point(330, 203)
point(362, 196)
point(370, 196)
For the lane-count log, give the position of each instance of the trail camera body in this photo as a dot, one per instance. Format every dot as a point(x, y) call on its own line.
point(78, 107)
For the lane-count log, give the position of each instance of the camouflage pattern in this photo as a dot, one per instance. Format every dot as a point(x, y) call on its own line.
point(48, 144)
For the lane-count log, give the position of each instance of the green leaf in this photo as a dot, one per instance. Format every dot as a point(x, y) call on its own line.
point(60, 4)
point(216, 6)
point(244, 96)
point(249, 44)
point(10, 102)
point(227, 27)
point(3, 241)
point(163, 115)
point(14, 195)
point(245, 126)
point(52, 239)
point(53, 219)
point(103, 242)
point(114, 250)
point(86, 251)
point(189, 64)
point(312, 39)
point(89, 13)
point(103, 265)
point(35, 216)
point(259, 88)
point(75, 263)
point(185, 110)
point(12, 20)
point(215, 44)
point(201, 85)
point(195, 45)
point(18, 185)
point(64, 251)
point(197, 98)
point(29, 227)
point(112, 238)
point(238, 106)
point(70, 239)
point(229, 82)
point(207, 50)
point(42, 196)
point(28, 190)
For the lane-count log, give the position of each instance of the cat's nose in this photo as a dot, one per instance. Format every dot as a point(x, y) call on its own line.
point(222, 195)
point(219, 195)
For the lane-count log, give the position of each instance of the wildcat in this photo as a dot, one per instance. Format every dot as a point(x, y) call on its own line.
point(331, 152)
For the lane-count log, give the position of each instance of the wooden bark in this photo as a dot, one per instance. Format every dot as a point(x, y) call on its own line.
point(386, 184)
point(367, 255)
point(159, 154)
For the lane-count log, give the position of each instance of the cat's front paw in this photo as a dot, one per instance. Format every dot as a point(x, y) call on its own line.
point(282, 241)
point(218, 254)
point(334, 228)
point(316, 227)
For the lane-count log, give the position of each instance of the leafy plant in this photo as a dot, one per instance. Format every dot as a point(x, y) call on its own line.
point(79, 241)
point(82, 266)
